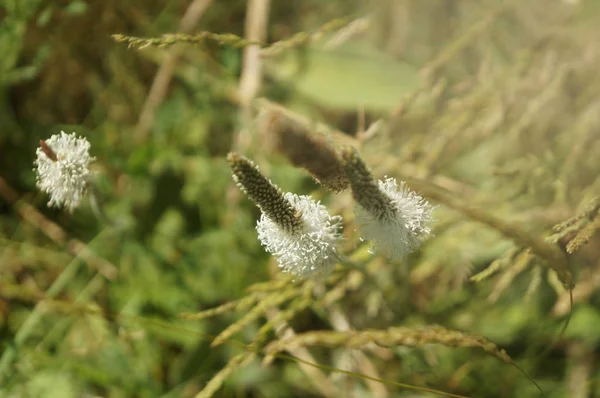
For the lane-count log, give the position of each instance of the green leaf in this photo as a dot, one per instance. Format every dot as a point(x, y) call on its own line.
point(350, 77)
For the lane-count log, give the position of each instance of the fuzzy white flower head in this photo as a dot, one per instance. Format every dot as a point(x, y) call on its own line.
point(401, 231)
point(310, 252)
point(62, 169)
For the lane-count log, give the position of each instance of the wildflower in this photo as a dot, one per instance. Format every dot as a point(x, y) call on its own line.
point(392, 216)
point(62, 169)
point(297, 230)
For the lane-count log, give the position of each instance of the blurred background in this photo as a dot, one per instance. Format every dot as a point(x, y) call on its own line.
point(497, 103)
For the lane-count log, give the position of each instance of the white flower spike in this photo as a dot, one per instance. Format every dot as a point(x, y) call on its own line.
point(298, 231)
point(393, 217)
point(312, 251)
point(62, 169)
point(402, 232)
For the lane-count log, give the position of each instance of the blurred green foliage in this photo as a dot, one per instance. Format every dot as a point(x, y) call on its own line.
point(496, 102)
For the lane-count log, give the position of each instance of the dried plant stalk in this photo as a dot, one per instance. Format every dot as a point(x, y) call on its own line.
point(496, 265)
point(351, 282)
point(281, 317)
point(303, 38)
point(237, 362)
point(272, 300)
point(591, 210)
point(169, 39)
point(518, 265)
point(236, 305)
point(230, 39)
point(272, 285)
point(583, 225)
point(583, 236)
point(390, 337)
point(555, 257)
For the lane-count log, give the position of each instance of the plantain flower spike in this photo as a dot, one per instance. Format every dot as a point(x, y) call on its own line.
point(394, 218)
point(62, 169)
point(304, 148)
point(295, 229)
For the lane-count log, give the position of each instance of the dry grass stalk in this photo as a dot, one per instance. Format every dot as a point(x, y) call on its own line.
point(583, 236)
point(357, 358)
point(580, 228)
point(257, 17)
point(306, 361)
point(303, 38)
point(237, 305)
point(271, 301)
point(555, 257)
point(237, 362)
point(282, 317)
point(518, 265)
point(272, 285)
point(497, 264)
point(353, 279)
point(391, 337)
point(534, 283)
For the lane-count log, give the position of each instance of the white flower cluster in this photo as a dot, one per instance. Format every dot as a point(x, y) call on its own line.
point(62, 168)
point(310, 253)
point(297, 230)
point(302, 235)
point(400, 233)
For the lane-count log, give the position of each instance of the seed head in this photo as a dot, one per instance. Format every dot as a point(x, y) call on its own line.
point(392, 216)
point(297, 230)
point(310, 252)
point(62, 169)
point(305, 148)
point(264, 193)
point(365, 190)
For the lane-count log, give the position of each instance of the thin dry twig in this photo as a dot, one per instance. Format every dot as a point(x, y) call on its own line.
point(257, 17)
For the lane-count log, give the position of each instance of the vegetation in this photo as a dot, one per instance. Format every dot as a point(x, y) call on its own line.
point(157, 284)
